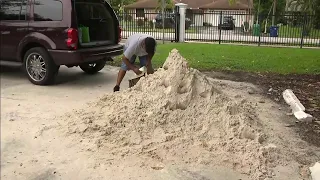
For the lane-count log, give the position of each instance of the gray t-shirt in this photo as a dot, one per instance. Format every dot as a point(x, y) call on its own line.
point(133, 46)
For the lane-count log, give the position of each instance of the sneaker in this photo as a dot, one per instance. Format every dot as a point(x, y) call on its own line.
point(116, 88)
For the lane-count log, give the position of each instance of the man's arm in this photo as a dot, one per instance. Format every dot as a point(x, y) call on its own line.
point(129, 52)
point(130, 66)
point(127, 62)
point(149, 64)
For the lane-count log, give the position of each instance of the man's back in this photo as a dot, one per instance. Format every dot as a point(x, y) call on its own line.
point(133, 45)
point(135, 38)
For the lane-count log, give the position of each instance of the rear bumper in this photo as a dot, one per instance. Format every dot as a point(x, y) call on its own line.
point(66, 57)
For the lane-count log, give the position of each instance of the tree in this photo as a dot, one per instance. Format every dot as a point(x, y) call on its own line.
point(317, 15)
point(262, 8)
point(307, 7)
point(169, 5)
point(231, 2)
point(118, 5)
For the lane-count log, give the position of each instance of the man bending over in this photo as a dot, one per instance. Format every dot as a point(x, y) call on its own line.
point(137, 45)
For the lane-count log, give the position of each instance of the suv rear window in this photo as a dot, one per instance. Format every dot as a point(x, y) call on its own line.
point(89, 10)
point(48, 10)
point(95, 22)
point(13, 9)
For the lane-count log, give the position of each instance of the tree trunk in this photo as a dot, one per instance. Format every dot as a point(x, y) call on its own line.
point(274, 12)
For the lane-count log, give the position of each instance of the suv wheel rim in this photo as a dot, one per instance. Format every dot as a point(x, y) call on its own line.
point(92, 65)
point(36, 67)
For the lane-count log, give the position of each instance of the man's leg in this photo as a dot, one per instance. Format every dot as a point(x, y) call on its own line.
point(122, 73)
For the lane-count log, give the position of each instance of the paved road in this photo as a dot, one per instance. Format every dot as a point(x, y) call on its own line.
point(27, 109)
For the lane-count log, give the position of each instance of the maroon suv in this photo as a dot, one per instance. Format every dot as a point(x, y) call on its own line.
point(42, 35)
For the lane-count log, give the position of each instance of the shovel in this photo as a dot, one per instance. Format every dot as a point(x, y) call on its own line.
point(135, 80)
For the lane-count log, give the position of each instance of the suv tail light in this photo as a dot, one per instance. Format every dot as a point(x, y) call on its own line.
point(119, 34)
point(72, 41)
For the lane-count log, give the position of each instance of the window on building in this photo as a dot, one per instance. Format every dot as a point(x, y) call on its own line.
point(48, 10)
point(140, 13)
point(13, 10)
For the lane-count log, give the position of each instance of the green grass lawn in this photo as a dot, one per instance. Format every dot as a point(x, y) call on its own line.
point(242, 58)
point(295, 32)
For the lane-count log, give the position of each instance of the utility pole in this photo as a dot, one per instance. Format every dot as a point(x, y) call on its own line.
point(274, 12)
point(162, 10)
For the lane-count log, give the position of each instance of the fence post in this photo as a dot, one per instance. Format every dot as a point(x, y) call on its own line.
point(177, 24)
point(163, 4)
point(182, 28)
point(303, 29)
point(219, 26)
point(259, 43)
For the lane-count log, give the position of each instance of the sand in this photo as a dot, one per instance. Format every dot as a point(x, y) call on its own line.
point(179, 116)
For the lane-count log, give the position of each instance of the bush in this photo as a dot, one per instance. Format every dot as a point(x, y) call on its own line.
point(128, 18)
point(206, 24)
point(120, 17)
point(264, 25)
point(246, 25)
point(140, 22)
point(151, 24)
point(317, 21)
point(168, 23)
point(283, 20)
point(297, 19)
point(188, 24)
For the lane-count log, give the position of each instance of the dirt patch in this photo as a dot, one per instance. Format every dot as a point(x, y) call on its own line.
point(305, 87)
point(178, 115)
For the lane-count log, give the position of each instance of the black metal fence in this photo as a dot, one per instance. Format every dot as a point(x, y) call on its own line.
point(149, 23)
point(293, 29)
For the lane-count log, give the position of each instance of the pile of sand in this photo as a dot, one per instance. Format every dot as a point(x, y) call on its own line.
point(177, 115)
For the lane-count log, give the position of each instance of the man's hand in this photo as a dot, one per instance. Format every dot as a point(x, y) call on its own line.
point(136, 70)
point(150, 69)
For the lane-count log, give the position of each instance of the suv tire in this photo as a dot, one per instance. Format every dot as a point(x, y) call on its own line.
point(93, 68)
point(39, 66)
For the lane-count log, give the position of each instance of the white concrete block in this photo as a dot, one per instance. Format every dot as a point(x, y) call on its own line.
point(315, 171)
point(296, 106)
point(302, 116)
point(292, 100)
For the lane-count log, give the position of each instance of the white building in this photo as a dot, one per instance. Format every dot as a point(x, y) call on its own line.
point(199, 11)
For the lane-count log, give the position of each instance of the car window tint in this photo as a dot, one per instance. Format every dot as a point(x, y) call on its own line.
point(48, 10)
point(13, 10)
point(99, 11)
point(92, 11)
